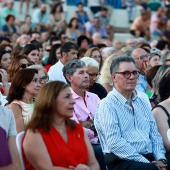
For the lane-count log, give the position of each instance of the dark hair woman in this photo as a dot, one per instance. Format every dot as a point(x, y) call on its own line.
point(24, 87)
point(54, 56)
point(32, 53)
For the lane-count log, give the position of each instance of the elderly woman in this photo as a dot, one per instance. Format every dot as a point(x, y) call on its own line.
point(21, 97)
point(52, 140)
point(93, 72)
point(43, 77)
point(154, 59)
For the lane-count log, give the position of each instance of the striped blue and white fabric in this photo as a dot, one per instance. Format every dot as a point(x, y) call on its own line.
point(125, 131)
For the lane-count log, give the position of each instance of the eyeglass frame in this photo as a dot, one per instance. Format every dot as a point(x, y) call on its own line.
point(94, 75)
point(45, 79)
point(131, 72)
point(143, 56)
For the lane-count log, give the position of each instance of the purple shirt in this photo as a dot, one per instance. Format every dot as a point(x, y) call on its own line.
point(5, 156)
point(84, 111)
point(92, 29)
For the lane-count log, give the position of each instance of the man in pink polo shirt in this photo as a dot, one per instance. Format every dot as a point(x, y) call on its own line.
point(76, 74)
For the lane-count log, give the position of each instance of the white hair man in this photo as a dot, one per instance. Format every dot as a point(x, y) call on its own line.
point(106, 52)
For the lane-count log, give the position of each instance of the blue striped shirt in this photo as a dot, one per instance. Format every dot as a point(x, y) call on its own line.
point(125, 131)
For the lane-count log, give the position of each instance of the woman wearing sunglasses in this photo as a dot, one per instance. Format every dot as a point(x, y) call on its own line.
point(18, 62)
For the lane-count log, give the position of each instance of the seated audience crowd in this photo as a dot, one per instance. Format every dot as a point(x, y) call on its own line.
point(79, 98)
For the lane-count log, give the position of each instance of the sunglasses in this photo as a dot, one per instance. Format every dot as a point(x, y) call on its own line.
point(127, 74)
point(25, 65)
point(48, 50)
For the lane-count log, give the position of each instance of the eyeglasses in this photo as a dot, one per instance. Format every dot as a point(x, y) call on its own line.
point(167, 60)
point(25, 65)
point(143, 56)
point(94, 75)
point(44, 79)
point(9, 51)
point(127, 74)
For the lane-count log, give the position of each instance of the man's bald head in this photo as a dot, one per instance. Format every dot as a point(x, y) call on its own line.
point(141, 58)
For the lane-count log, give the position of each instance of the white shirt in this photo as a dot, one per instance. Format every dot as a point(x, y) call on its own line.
point(55, 72)
point(7, 121)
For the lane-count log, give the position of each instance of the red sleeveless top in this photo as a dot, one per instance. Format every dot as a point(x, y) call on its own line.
point(61, 153)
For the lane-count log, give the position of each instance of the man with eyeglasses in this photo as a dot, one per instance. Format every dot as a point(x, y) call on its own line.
point(126, 128)
point(141, 58)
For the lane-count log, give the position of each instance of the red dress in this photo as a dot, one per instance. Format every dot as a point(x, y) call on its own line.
point(64, 154)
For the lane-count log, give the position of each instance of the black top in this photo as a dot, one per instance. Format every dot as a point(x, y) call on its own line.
point(167, 113)
point(99, 90)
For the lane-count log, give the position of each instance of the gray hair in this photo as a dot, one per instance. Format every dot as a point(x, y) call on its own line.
point(38, 67)
point(90, 62)
point(106, 49)
point(127, 50)
point(71, 67)
point(164, 57)
point(162, 71)
point(116, 62)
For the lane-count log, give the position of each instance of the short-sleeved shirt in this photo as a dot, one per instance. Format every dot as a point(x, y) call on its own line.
point(7, 128)
point(92, 29)
point(103, 20)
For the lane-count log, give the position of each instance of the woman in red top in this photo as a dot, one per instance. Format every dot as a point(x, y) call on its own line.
point(52, 140)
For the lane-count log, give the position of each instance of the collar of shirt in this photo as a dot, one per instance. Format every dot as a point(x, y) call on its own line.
point(121, 98)
point(76, 96)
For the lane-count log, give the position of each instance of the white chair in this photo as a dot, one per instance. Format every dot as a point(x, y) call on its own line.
point(168, 134)
point(19, 147)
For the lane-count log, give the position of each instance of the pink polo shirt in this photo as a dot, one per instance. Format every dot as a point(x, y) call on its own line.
point(84, 111)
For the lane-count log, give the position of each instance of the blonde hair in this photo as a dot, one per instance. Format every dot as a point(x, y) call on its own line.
point(105, 76)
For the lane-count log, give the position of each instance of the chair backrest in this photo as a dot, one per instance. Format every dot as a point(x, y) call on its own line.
point(19, 147)
point(168, 134)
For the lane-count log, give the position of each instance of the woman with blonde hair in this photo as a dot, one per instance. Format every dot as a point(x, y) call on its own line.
point(52, 140)
point(105, 77)
point(95, 53)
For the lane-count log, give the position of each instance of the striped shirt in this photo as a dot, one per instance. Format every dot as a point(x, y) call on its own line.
point(125, 131)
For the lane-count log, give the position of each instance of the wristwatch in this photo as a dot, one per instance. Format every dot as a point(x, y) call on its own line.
point(164, 161)
point(92, 127)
